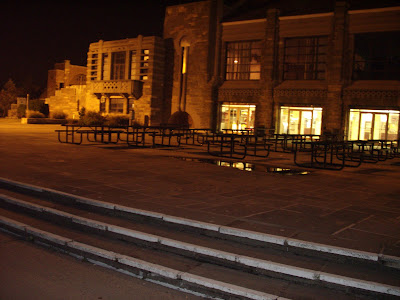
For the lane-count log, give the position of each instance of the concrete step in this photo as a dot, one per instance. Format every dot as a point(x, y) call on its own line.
point(300, 247)
point(246, 259)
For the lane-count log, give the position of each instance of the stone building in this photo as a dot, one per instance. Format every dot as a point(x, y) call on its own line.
point(66, 88)
point(292, 69)
point(295, 67)
point(127, 75)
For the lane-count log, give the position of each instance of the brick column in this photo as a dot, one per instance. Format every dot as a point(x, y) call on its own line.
point(269, 63)
point(334, 114)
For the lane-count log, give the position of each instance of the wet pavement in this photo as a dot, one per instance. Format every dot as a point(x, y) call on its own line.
point(355, 208)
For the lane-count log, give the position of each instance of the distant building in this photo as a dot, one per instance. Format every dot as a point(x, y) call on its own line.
point(127, 75)
point(66, 88)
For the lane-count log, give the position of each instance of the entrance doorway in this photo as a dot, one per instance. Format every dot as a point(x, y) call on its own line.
point(300, 120)
point(367, 124)
point(237, 116)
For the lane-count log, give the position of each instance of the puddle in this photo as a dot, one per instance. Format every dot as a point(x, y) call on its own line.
point(246, 166)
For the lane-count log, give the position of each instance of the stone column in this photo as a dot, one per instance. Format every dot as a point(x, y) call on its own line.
point(334, 114)
point(269, 69)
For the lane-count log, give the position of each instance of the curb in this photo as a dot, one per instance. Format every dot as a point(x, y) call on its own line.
point(166, 274)
point(392, 261)
point(218, 254)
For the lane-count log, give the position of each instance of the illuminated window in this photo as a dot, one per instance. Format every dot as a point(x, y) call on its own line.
point(118, 65)
point(300, 120)
point(377, 56)
point(366, 124)
point(144, 64)
point(305, 58)
point(237, 116)
point(92, 64)
point(116, 105)
point(243, 60)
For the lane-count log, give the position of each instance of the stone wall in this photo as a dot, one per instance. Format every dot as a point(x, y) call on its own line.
point(189, 24)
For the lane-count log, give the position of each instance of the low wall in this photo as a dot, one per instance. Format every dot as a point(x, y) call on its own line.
point(42, 121)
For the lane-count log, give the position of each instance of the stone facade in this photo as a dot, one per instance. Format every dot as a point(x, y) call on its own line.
point(190, 75)
point(190, 29)
point(128, 72)
point(66, 89)
point(205, 88)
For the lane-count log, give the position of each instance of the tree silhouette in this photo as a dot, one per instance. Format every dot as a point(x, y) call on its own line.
point(8, 95)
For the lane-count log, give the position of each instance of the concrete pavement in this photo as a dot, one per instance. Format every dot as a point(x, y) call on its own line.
point(356, 208)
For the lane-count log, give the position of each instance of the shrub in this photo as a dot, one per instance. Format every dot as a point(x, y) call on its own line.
point(60, 115)
point(82, 112)
point(21, 111)
point(35, 114)
point(92, 118)
point(39, 106)
point(117, 121)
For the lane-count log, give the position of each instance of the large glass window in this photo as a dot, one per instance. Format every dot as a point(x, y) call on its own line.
point(300, 120)
point(243, 60)
point(118, 66)
point(367, 124)
point(377, 56)
point(237, 116)
point(116, 105)
point(305, 58)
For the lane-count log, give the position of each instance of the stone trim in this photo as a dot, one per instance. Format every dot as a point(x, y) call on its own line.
point(300, 93)
point(377, 94)
point(240, 92)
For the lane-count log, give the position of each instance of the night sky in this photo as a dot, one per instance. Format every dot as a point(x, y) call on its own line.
point(35, 35)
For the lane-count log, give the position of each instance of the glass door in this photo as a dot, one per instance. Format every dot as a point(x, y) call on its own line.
point(306, 122)
point(380, 126)
point(393, 127)
point(237, 116)
point(366, 126)
point(294, 121)
point(233, 118)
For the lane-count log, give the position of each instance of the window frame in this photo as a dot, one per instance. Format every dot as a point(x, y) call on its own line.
point(388, 63)
point(318, 58)
point(240, 67)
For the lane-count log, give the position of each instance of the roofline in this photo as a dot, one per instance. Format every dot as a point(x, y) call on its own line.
point(373, 10)
point(243, 22)
point(329, 14)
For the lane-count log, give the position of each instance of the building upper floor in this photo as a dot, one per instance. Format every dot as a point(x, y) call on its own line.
point(341, 46)
point(63, 75)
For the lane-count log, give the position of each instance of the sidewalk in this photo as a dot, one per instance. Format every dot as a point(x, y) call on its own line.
point(355, 208)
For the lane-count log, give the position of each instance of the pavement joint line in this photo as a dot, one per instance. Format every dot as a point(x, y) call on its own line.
point(149, 267)
point(262, 236)
point(253, 262)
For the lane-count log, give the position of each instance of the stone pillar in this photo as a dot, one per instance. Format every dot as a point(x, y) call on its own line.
point(333, 113)
point(107, 105)
point(125, 108)
point(269, 70)
point(127, 66)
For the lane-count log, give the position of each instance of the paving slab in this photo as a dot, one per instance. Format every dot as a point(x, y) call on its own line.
point(357, 207)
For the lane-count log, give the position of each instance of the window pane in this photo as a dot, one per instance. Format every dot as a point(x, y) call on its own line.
point(377, 56)
point(305, 58)
point(118, 66)
point(243, 60)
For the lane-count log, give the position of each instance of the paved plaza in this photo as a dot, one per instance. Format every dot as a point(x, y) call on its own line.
point(355, 208)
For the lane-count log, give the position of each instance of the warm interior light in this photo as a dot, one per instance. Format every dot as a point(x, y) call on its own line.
point(235, 61)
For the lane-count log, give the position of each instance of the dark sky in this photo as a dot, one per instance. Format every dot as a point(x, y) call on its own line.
point(34, 35)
